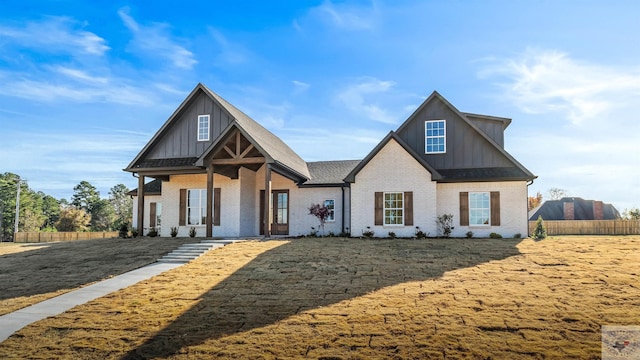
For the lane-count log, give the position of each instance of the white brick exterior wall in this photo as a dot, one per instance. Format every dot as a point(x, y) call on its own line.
point(229, 204)
point(240, 204)
point(513, 207)
point(393, 169)
point(147, 211)
point(300, 199)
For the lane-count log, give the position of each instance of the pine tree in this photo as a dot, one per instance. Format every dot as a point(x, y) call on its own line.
point(540, 232)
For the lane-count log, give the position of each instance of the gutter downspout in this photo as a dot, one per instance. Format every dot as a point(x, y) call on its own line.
point(343, 207)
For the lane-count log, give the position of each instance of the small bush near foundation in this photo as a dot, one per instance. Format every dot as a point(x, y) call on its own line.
point(494, 235)
point(420, 234)
point(445, 224)
point(368, 233)
point(124, 231)
point(174, 231)
point(392, 235)
point(134, 232)
point(192, 232)
point(153, 232)
point(517, 236)
point(469, 234)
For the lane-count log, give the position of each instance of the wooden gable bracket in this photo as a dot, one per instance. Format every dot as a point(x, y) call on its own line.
point(238, 156)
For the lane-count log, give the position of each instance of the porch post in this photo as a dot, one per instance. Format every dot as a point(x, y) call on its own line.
point(210, 200)
point(267, 200)
point(140, 204)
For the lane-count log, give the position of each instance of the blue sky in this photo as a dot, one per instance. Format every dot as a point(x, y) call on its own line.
point(83, 87)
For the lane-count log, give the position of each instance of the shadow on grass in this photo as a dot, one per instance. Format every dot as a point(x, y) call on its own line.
point(67, 265)
point(311, 273)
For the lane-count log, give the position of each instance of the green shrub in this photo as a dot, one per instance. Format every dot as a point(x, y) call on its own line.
point(517, 236)
point(469, 234)
point(540, 232)
point(153, 232)
point(445, 224)
point(368, 233)
point(494, 235)
point(124, 231)
point(392, 234)
point(134, 232)
point(420, 234)
point(192, 232)
point(174, 231)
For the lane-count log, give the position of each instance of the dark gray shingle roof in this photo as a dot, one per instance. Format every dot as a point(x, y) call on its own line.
point(582, 209)
point(330, 172)
point(492, 173)
point(153, 187)
point(273, 146)
point(171, 162)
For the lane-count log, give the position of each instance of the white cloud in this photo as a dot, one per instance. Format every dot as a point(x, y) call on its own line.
point(545, 81)
point(229, 53)
point(55, 35)
point(81, 75)
point(153, 40)
point(300, 87)
point(360, 98)
point(99, 92)
point(347, 16)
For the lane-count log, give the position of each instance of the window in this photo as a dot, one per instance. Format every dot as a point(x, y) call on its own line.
point(158, 217)
point(394, 208)
point(331, 205)
point(435, 132)
point(196, 206)
point(203, 127)
point(479, 208)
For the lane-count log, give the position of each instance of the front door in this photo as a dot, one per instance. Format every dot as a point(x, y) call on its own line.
point(279, 211)
point(280, 224)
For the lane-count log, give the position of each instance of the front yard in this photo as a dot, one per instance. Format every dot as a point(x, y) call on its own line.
point(352, 298)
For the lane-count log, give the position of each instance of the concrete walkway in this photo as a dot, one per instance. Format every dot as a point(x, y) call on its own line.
point(12, 322)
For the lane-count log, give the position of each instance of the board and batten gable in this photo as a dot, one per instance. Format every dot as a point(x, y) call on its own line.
point(393, 169)
point(492, 126)
point(465, 146)
point(180, 138)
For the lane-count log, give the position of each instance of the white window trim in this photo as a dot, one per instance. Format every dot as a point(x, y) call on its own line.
point(333, 210)
point(200, 118)
point(384, 208)
point(435, 137)
point(488, 224)
point(202, 207)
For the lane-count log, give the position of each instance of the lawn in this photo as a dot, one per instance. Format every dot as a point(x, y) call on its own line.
point(361, 299)
point(30, 273)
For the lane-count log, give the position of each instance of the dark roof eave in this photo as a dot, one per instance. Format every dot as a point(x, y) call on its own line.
point(484, 179)
point(342, 184)
point(174, 170)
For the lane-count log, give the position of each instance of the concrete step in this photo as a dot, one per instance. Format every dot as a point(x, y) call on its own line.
point(188, 252)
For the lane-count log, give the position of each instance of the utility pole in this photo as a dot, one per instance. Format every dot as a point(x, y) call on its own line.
point(1, 218)
point(15, 229)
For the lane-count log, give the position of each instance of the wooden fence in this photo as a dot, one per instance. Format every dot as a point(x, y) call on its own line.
point(589, 227)
point(38, 237)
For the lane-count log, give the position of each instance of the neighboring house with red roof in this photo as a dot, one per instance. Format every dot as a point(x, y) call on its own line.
point(212, 166)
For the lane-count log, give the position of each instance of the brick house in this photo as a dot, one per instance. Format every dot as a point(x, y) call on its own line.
point(212, 165)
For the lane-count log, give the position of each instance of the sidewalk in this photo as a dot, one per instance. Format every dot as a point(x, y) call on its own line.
point(16, 320)
point(12, 322)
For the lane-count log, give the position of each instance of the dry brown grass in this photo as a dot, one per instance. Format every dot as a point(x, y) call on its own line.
point(360, 299)
point(30, 273)
point(12, 248)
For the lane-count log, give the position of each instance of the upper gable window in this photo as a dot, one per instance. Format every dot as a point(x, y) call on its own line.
point(203, 127)
point(435, 136)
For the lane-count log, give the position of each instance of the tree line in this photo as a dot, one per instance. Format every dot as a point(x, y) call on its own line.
point(85, 211)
